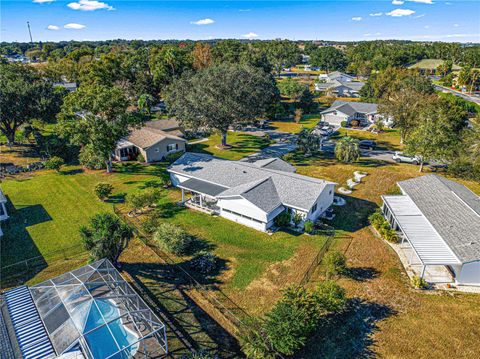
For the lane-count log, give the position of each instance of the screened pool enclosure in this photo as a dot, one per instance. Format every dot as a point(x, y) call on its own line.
point(95, 309)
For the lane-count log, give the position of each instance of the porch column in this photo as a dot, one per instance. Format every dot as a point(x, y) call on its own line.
point(183, 195)
point(201, 202)
point(423, 271)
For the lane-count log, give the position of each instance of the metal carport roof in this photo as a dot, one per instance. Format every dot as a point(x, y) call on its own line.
point(426, 242)
point(203, 187)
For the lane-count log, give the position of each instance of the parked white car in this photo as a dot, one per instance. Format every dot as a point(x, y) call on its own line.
point(400, 157)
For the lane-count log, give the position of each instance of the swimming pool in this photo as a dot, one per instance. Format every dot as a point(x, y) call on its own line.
point(100, 341)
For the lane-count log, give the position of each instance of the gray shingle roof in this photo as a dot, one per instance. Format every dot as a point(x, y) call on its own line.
point(350, 107)
point(293, 189)
point(353, 85)
point(146, 137)
point(261, 193)
point(273, 163)
point(452, 209)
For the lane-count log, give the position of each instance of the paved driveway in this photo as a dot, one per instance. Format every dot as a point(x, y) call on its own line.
point(284, 143)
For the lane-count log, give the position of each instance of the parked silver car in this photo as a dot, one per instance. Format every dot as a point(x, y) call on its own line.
point(401, 157)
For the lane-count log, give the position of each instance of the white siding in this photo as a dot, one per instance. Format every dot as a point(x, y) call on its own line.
point(469, 274)
point(260, 226)
point(324, 201)
point(333, 119)
point(242, 206)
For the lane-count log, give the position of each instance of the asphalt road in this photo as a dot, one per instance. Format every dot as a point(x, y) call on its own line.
point(474, 99)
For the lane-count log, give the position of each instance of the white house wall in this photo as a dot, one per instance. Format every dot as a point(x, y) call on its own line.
point(242, 206)
point(334, 119)
point(469, 274)
point(260, 226)
point(324, 201)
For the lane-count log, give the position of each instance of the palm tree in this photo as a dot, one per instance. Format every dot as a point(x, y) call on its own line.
point(347, 150)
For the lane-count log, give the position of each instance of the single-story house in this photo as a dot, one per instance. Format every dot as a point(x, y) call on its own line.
point(90, 312)
point(252, 194)
point(440, 219)
point(154, 145)
point(348, 111)
point(429, 66)
point(340, 88)
point(336, 75)
point(169, 125)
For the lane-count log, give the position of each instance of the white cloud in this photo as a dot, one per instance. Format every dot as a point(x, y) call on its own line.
point(376, 14)
point(202, 22)
point(426, 27)
point(43, 1)
point(456, 25)
point(419, 16)
point(53, 27)
point(250, 35)
point(74, 26)
point(400, 12)
point(398, 2)
point(357, 18)
point(367, 34)
point(89, 5)
point(378, 33)
point(245, 10)
point(448, 3)
point(430, 2)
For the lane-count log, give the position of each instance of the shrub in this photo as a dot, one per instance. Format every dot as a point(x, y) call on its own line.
point(354, 123)
point(90, 159)
point(201, 354)
point(255, 342)
point(150, 224)
point(419, 283)
point(204, 262)
point(343, 123)
point(54, 163)
point(172, 157)
point(141, 199)
point(376, 218)
point(335, 264)
point(140, 158)
point(282, 220)
point(173, 239)
point(298, 115)
point(330, 296)
point(103, 190)
point(309, 226)
point(288, 157)
point(297, 218)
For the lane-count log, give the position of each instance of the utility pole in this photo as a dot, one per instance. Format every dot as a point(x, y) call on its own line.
point(29, 31)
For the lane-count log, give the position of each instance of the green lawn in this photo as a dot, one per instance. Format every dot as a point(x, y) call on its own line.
point(290, 126)
point(388, 139)
point(48, 208)
point(242, 144)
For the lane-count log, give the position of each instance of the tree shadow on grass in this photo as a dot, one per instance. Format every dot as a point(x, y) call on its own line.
point(17, 245)
point(348, 334)
point(169, 210)
point(71, 172)
point(189, 327)
point(353, 216)
point(116, 199)
point(361, 274)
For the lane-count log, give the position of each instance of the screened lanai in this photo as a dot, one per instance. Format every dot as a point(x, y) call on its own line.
point(95, 308)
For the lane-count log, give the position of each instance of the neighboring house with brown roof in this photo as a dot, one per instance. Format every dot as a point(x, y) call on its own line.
point(153, 144)
point(169, 125)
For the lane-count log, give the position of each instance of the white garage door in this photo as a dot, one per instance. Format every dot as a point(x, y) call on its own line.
point(333, 119)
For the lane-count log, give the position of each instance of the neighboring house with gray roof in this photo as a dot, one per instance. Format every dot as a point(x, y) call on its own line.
point(153, 144)
point(441, 221)
point(340, 111)
point(249, 193)
point(339, 84)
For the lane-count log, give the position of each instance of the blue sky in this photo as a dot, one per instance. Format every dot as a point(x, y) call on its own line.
point(55, 20)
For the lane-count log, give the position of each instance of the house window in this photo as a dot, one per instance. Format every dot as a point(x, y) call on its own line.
point(330, 192)
point(157, 149)
point(172, 147)
point(314, 208)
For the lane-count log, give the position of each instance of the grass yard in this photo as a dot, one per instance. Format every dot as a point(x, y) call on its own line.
point(290, 126)
point(388, 139)
point(386, 317)
point(242, 144)
point(49, 208)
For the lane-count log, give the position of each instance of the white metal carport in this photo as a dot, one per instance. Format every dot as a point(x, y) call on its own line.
point(426, 243)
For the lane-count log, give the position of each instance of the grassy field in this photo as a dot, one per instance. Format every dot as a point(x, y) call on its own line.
point(388, 139)
point(242, 144)
point(307, 121)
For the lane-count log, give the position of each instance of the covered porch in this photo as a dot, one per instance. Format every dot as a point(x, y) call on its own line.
point(126, 151)
point(201, 195)
point(422, 251)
